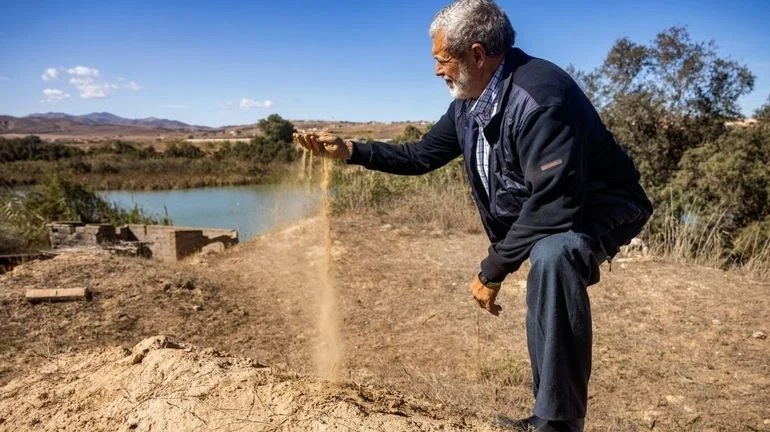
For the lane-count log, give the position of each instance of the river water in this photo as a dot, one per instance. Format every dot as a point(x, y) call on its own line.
point(252, 210)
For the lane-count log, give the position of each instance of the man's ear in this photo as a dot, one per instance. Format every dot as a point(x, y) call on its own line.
point(479, 54)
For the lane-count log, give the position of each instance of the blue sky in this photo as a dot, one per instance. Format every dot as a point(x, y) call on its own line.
point(218, 63)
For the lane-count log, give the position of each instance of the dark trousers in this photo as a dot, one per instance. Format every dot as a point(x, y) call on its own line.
point(559, 323)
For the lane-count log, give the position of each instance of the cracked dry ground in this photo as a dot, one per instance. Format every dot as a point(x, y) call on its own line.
point(674, 345)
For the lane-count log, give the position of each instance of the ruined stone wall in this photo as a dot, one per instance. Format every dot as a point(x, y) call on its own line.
point(167, 243)
point(174, 243)
point(69, 234)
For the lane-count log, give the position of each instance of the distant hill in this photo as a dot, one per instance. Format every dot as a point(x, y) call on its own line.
point(105, 118)
point(103, 125)
point(54, 122)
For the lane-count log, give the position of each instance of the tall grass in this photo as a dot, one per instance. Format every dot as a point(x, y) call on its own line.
point(689, 235)
point(692, 234)
point(440, 200)
point(23, 217)
point(752, 248)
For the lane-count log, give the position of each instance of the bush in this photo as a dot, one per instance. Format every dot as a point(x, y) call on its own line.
point(25, 216)
point(183, 150)
point(275, 129)
point(33, 148)
point(762, 114)
point(730, 173)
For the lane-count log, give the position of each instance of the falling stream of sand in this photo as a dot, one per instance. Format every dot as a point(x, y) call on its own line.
point(328, 346)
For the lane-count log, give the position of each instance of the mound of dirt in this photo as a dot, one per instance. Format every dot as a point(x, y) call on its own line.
point(163, 385)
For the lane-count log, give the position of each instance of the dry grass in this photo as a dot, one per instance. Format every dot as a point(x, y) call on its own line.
point(695, 236)
point(440, 200)
point(690, 236)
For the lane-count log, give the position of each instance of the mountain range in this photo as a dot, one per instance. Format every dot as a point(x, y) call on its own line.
point(55, 122)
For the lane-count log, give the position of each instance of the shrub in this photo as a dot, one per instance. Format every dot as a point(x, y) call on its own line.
point(33, 148)
point(26, 216)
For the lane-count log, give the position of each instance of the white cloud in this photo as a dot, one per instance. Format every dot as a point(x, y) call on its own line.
point(90, 89)
point(53, 95)
point(84, 72)
point(88, 82)
point(50, 74)
point(85, 79)
point(247, 103)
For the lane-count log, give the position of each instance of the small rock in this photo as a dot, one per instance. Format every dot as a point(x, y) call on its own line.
point(213, 248)
point(716, 322)
point(138, 357)
point(197, 308)
point(386, 227)
point(692, 418)
point(650, 417)
point(759, 335)
point(674, 400)
point(635, 247)
point(154, 343)
point(766, 421)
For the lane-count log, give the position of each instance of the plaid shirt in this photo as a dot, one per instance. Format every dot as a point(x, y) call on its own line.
point(482, 110)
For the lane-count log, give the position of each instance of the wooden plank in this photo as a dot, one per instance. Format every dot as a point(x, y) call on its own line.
point(66, 294)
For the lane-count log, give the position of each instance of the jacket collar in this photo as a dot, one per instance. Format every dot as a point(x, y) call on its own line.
point(513, 59)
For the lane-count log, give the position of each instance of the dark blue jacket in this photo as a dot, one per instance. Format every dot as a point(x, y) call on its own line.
point(554, 166)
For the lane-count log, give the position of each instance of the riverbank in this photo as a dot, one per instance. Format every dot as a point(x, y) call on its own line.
point(111, 173)
point(250, 210)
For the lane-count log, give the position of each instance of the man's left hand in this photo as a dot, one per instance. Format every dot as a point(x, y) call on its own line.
point(485, 296)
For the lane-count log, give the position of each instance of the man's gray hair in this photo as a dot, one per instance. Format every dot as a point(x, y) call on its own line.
point(466, 22)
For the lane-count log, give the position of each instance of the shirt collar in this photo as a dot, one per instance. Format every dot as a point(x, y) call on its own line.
point(483, 107)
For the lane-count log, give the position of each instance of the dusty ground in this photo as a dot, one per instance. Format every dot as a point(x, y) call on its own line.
point(674, 346)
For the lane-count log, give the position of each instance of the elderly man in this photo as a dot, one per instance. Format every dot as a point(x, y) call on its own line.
point(550, 183)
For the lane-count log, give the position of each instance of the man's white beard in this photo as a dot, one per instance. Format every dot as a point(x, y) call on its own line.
point(461, 87)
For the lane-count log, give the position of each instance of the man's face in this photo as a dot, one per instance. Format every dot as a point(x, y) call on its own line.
point(454, 71)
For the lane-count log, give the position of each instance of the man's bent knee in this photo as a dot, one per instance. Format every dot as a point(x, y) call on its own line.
point(559, 249)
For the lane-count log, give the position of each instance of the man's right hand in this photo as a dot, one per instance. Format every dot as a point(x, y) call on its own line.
point(325, 144)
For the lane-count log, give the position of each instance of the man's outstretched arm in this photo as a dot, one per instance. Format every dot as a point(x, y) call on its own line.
point(439, 146)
